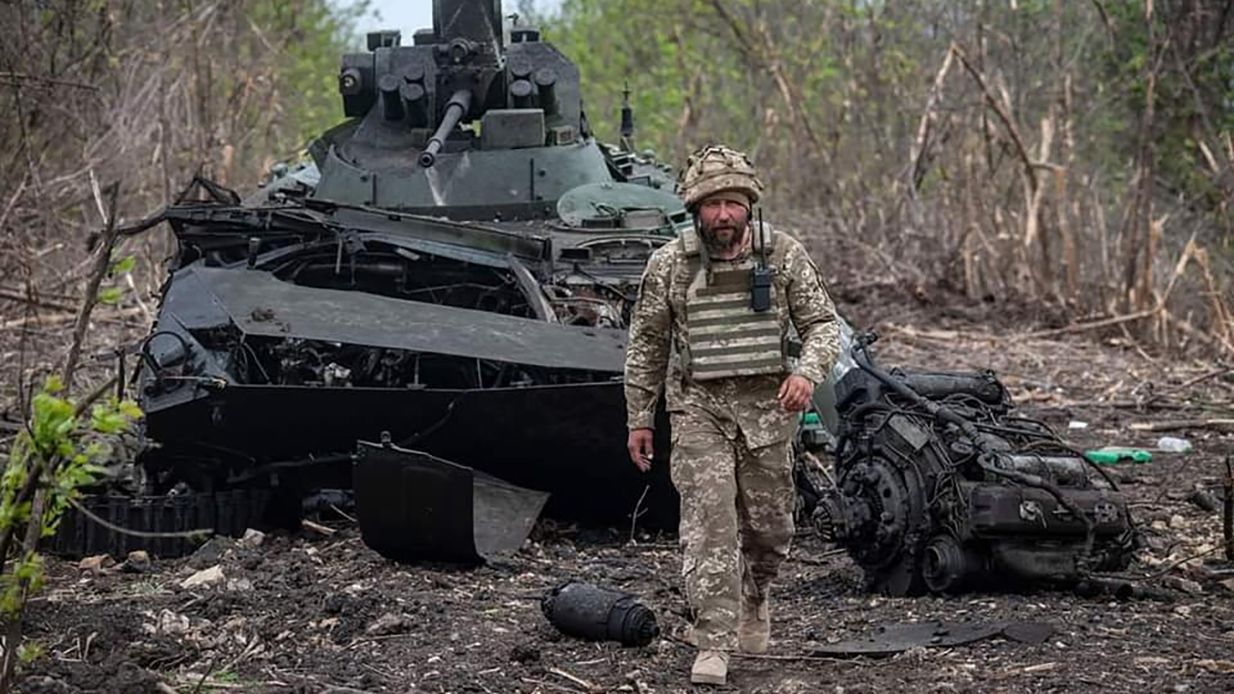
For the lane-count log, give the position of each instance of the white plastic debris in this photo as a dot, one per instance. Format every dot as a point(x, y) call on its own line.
point(1077, 424)
point(1171, 444)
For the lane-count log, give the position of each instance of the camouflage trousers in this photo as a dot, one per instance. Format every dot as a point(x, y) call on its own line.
point(736, 522)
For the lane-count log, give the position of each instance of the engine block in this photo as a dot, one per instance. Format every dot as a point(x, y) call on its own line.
point(940, 487)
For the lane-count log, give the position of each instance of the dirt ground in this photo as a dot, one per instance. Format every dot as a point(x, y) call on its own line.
point(315, 612)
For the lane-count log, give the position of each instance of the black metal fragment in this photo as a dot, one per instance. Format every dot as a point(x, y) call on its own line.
point(599, 614)
point(416, 507)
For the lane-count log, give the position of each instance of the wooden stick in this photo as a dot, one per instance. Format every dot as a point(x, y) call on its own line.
point(1081, 327)
point(17, 77)
point(1198, 379)
point(317, 527)
point(32, 301)
point(1221, 313)
point(1186, 326)
point(1185, 257)
point(1174, 425)
point(57, 318)
point(576, 680)
point(102, 262)
point(919, 146)
point(1002, 114)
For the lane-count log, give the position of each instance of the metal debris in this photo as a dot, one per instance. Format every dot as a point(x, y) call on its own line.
point(599, 614)
point(897, 638)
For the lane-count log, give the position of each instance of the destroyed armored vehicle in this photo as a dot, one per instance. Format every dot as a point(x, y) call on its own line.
point(429, 319)
point(452, 273)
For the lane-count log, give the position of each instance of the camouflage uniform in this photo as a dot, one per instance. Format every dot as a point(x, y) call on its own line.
point(731, 439)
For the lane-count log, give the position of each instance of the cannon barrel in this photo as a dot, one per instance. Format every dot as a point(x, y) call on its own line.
point(456, 108)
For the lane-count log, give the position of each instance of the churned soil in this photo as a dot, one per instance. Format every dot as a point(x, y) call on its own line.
point(320, 612)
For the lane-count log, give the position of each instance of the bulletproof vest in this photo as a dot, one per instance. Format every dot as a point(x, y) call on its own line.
point(727, 337)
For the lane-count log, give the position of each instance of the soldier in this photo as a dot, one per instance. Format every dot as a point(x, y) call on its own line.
point(711, 326)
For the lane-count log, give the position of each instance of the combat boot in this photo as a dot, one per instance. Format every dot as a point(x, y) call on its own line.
point(754, 629)
point(710, 667)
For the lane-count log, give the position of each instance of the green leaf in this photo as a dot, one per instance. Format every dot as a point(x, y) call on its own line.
point(130, 409)
point(110, 295)
point(124, 265)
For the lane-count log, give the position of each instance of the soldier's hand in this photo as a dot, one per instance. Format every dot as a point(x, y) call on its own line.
point(795, 393)
point(640, 447)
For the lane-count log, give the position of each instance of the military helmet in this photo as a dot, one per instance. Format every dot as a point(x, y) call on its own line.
point(714, 169)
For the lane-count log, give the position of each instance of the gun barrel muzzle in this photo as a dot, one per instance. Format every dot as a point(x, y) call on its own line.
point(456, 108)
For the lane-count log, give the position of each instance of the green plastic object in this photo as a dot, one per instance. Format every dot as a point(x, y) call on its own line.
point(1114, 456)
point(811, 419)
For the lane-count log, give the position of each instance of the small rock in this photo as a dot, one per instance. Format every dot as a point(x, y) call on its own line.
point(96, 563)
point(173, 624)
point(1177, 521)
point(138, 562)
point(252, 538)
point(239, 585)
point(1224, 667)
point(51, 685)
point(1204, 499)
point(389, 623)
point(333, 604)
point(1158, 542)
point(1228, 584)
point(212, 552)
point(1184, 584)
point(205, 577)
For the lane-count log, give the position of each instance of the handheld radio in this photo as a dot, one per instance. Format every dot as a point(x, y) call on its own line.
point(760, 275)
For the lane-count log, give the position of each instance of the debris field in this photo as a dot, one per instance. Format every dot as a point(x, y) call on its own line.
point(317, 611)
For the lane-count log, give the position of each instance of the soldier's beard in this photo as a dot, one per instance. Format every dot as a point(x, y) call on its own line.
point(723, 238)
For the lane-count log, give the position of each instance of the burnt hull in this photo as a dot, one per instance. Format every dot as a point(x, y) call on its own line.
point(567, 440)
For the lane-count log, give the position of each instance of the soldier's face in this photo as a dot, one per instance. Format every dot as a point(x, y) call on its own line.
point(723, 222)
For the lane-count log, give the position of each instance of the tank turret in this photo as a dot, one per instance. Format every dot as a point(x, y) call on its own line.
point(470, 122)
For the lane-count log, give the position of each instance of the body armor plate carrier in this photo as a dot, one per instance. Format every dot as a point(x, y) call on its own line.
point(727, 337)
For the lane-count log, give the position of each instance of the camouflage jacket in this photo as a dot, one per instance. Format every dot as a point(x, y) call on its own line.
point(745, 404)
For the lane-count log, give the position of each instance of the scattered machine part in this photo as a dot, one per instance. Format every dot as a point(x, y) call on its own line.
point(413, 506)
point(897, 638)
point(599, 614)
point(939, 487)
